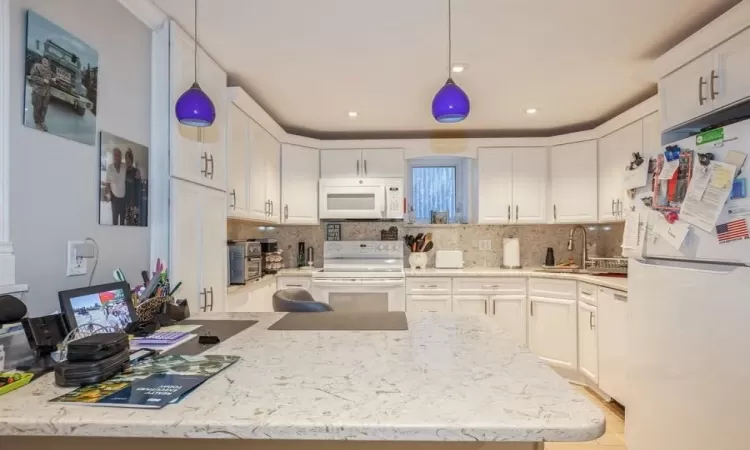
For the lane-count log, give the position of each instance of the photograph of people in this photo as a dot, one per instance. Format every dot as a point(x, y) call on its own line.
point(124, 184)
point(61, 81)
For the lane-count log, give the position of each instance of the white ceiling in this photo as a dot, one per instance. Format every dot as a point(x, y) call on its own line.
point(309, 62)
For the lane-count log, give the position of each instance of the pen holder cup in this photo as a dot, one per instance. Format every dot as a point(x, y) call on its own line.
point(178, 311)
point(151, 307)
point(418, 260)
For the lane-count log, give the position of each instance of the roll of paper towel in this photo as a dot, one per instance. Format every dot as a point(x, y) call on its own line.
point(511, 252)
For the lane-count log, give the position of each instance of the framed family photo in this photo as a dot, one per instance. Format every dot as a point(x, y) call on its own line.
point(123, 187)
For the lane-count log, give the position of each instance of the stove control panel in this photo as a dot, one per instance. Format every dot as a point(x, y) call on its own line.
point(360, 249)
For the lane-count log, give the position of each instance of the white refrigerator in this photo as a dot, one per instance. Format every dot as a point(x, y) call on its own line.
point(689, 334)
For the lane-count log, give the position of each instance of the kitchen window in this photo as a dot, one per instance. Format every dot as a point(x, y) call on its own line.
point(437, 184)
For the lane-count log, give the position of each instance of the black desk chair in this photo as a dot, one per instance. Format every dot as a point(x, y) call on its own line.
point(297, 300)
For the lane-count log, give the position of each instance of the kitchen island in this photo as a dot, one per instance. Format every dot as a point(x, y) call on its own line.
point(451, 379)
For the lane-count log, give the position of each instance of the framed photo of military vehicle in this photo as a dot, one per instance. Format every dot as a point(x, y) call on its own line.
point(61, 74)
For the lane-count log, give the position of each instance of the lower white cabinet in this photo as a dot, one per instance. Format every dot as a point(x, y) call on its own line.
point(428, 303)
point(198, 238)
point(293, 283)
point(471, 304)
point(510, 312)
point(613, 350)
point(588, 341)
point(256, 297)
point(552, 331)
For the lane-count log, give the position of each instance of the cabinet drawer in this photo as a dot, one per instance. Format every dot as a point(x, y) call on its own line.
point(491, 286)
point(293, 282)
point(552, 288)
point(429, 286)
point(587, 293)
point(428, 303)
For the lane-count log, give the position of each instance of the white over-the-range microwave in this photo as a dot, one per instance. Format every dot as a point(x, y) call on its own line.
point(361, 198)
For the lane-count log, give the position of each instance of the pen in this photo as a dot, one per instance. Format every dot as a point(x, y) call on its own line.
point(177, 286)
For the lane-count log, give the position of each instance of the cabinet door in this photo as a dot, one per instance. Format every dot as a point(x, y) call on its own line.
point(615, 152)
point(530, 185)
point(552, 331)
point(383, 163)
point(185, 240)
point(573, 182)
point(588, 351)
point(237, 162)
point(186, 148)
point(428, 303)
point(213, 81)
point(613, 349)
point(341, 164)
point(470, 304)
point(495, 173)
point(510, 312)
point(273, 179)
point(685, 94)
point(300, 170)
point(257, 200)
point(732, 74)
point(293, 283)
point(213, 262)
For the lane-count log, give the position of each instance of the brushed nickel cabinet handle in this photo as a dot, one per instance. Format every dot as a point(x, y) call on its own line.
point(613, 207)
point(485, 307)
point(554, 212)
point(211, 291)
point(211, 160)
point(714, 77)
point(234, 199)
point(357, 167)
point(490, 286)
point(516, 213)
point(365, 164)
point(204, 158)
point(508, 213)
point(286, 212)
point(701, 83)
point(429, 286)
point(203, 305)
point(591, 320)
point(531, 307)
point(271, 207)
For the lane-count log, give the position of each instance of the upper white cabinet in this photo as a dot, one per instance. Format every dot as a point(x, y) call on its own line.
point(719, 78)
point(357, 163)
point(615, 152)
point(300, 169)
point(651, 135)
point(512, 185)
point(197, 154)
point(573, 182)
point(263, 185)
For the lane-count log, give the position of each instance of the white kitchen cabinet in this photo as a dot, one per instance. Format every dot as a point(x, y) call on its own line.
point(428, 303)
point(510, 312)
point(383, 163)
point(684, 94)
point(552, 331)
point(471, 304)
point(237, 163)
point(651, 135)
point(588, 341)
point(495, 173)
point(197, 154)
point(360, 163)
point(512, 185)
point(300, 171)
point(273, 179)
point(254, 297)
point(198, 244)
point(731, 75)
point(573, 182)
point(615, 153)
point(293, 283)
point(263, 197)
point(613, 349)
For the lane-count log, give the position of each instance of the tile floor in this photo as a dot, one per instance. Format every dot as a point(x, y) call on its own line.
point(614, 436)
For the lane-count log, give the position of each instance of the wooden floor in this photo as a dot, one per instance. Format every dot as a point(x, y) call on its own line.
point(614, 437)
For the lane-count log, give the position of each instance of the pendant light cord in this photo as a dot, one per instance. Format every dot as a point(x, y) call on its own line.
point(195, 56)
point(450, 42)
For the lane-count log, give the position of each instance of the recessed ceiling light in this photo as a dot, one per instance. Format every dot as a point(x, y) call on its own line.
point(353, 114)
point(458, 68)
point(531, 111)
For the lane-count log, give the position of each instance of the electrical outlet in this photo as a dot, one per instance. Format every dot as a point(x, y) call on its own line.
point(76, 263)
point(485, 244)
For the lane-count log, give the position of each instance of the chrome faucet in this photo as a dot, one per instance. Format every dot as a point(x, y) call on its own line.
point(584, 253)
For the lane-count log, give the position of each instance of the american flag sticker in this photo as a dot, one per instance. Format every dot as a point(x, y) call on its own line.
point(732, 231)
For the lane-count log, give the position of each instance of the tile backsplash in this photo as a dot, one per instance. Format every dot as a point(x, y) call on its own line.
point(604, 240)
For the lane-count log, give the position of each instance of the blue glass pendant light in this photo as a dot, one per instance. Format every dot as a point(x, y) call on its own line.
point(194, 108)
point(450, 104)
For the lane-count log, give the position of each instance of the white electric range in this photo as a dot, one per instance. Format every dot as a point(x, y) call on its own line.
point(361, 276)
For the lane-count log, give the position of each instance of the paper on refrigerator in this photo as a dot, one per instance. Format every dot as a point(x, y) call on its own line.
point(673, 233)
point(637, 177)
point(633, 235)
point(668, 169)
point(703, 209)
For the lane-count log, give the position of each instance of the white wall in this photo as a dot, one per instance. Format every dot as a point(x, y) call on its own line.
point(54, 181)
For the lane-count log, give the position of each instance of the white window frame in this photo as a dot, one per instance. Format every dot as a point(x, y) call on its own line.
point(462, 188)
point(7, 257)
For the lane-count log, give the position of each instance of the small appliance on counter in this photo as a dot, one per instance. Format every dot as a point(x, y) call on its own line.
point(449, 259)
point(301, 262)
point(549, 261)
point(511, 253)
point(272, 261)
point(244, 261)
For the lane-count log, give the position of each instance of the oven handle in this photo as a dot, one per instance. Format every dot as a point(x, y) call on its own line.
point(360, 283)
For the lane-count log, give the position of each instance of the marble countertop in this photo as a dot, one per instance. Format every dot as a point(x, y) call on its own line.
point(449, 377)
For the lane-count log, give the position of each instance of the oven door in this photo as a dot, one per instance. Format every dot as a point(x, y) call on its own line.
point(361, 294)
point(253, 269)
point(352, 201)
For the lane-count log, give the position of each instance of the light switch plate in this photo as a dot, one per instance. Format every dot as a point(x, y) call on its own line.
point(485, 244)
point(76, 264)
